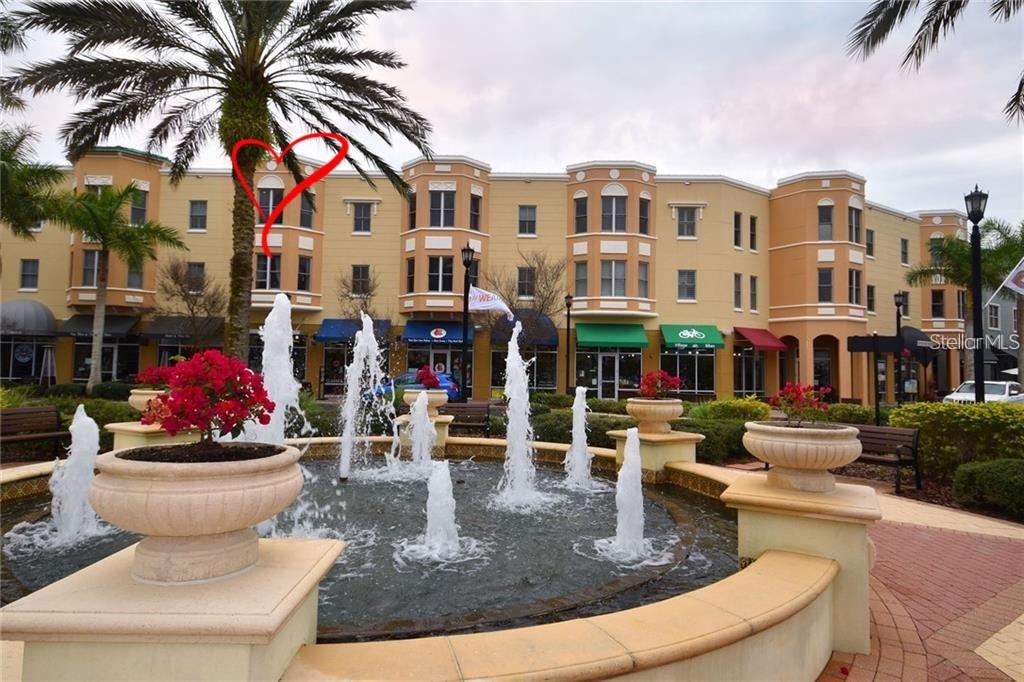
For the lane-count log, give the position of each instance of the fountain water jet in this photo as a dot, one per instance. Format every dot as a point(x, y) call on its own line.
point(422, 434)
point(577, 457)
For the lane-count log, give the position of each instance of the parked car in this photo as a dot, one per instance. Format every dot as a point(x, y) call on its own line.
point(408, 380)
point(995, 392)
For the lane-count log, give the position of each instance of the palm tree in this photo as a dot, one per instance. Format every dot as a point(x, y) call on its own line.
point(1008, 249)
point(229, 68)
point(101, 218)
point(951, 263)
point(24, 184)
point(940, 18)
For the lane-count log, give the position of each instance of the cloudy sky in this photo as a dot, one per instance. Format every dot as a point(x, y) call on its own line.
point(756, 91)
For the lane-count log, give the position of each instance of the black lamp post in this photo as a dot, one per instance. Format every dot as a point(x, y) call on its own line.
point(874, 372)
point(468, 256)
point(568, 336)
point(976, 202)
point(897, 298)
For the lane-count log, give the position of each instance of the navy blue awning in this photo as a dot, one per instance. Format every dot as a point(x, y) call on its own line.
point(431, 331)
point(334, 330)
point(538, 329)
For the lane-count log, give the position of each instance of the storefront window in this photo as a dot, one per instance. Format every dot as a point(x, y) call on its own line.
point(120, 361)
point(542, 372)
point(22, 357)
point(167, 352)
point(694, 367)
point(748, 371)
point(611, 372)
point(298, 354)
point(442, 359)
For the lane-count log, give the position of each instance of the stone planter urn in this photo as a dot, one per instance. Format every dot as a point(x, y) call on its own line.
point(654, 415)
point(436, 398)
point(139, 397)
point(196, 516)
point(802, 455)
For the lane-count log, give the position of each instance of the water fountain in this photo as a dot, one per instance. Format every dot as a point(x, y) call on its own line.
point(422, 435)
point(577, 457)
point(278, 375)
point(362, 377)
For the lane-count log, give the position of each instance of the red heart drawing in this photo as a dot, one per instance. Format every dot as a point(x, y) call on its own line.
point(297, 190)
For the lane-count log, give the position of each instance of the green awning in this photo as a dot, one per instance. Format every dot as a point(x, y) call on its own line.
point(620, 335)
point(692, 336)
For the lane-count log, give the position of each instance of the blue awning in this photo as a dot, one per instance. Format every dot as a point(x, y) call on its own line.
point(538, 329)
point(333, 330)
point(430, 331)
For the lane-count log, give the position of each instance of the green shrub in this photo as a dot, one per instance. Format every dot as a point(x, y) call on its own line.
point(998, 484)
point(498, 424)
point(111, 390)
point(66, 389)
point(606, 405)
point(102, 411)
point(537, 410)
point(556, 427)
point(15, 396)
point(323, 420)
point(723, 438)
point(953, 434)
point(848, 413)
point(746, 409)
point(556, 401)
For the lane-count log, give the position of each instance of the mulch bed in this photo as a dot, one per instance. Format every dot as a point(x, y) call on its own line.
point(201, 452)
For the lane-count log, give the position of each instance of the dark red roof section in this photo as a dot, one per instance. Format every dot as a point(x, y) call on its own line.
point(761, 339)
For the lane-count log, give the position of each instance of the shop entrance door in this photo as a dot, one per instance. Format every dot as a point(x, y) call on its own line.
point(608, 376)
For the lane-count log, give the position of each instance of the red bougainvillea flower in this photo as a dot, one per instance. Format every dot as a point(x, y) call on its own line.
point(156, 376)
point(801, 403)
point(213, 393)
point(655, 385)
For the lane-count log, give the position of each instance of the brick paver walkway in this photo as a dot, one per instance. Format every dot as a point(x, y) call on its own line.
point(938, 598)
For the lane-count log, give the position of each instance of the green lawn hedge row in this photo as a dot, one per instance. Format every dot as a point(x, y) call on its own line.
point(998, 484)
point(953, 434)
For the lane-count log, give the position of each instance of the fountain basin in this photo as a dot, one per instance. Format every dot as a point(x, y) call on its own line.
point(196, 517)
point(436, 399)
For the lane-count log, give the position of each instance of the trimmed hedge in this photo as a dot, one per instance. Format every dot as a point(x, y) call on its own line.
point(555, 401)
point(998, 484)
point(102, 411)
point(556, 427)
point(606, 405)
point(723, 438)
point(111, 390)
point(15, 396)
point(848, 413)
point(953, 434)
point(745, 409)
point(66, 389)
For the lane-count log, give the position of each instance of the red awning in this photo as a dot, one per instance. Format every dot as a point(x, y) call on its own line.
point(761, 339)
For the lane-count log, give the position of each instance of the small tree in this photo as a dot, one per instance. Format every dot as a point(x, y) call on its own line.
point(102, 219)
point(548, 297)
point(193, 295)
point(355, 296)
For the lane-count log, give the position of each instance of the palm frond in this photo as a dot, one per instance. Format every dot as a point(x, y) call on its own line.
point(89, 127)
point(12, 34)
point(939, 19)
point(881, 19)
point(1014, 109)
point(102, 23)
point(90, 77)
point(1003, 10)
point(24, 183)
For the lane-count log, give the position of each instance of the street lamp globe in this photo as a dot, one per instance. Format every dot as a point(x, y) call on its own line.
point(976, 202)
point(897, 299)
point(467, 255)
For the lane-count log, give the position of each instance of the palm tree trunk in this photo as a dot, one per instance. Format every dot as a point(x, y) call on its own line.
point(98, 321)
point(243, 232)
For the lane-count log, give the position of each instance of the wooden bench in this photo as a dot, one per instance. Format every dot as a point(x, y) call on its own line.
point(31, 425)
point(470, 416)
point(890, 446)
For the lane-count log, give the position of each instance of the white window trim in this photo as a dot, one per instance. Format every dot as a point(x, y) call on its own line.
point(988, 316)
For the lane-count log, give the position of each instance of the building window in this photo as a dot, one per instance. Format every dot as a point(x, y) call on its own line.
point(526, 282)
point(410, 275)
point(854, 221)
point(361, 280)
point(527, 220)
point(993, 316)
point(686, 221)
point(197, 216)
point(411, 200)
point(938, 304)
point(268, 272)
point(304, 281)
point(686, 285)
point(824, 285)
point(361, 216)
point(695, 368)
point(134, 278)
point(581, 279)
point(869, 242)
point(906, 303)
point(305, 212)
point(442, 208)
point(613, 277)
point(748, 370)
point(753, 293)
point(541, 367)
point(737, 291)
point(270, 198)
point(90, 268)
point(961, 304)
point(118, 361)
point(643, 277)
point(29, 273)
point(824, 223)
point(581, 214)
point(440, 273)
point(474, 212)
point(644, 216)
point(904, 251)
point(196, 277)
point(853, 282)
point(139, 201)
point(613, 214)
point(737, 229)
point(753, 233)
point(871, 297)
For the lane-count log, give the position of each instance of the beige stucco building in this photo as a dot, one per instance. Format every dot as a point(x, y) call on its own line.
point(735, 288)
